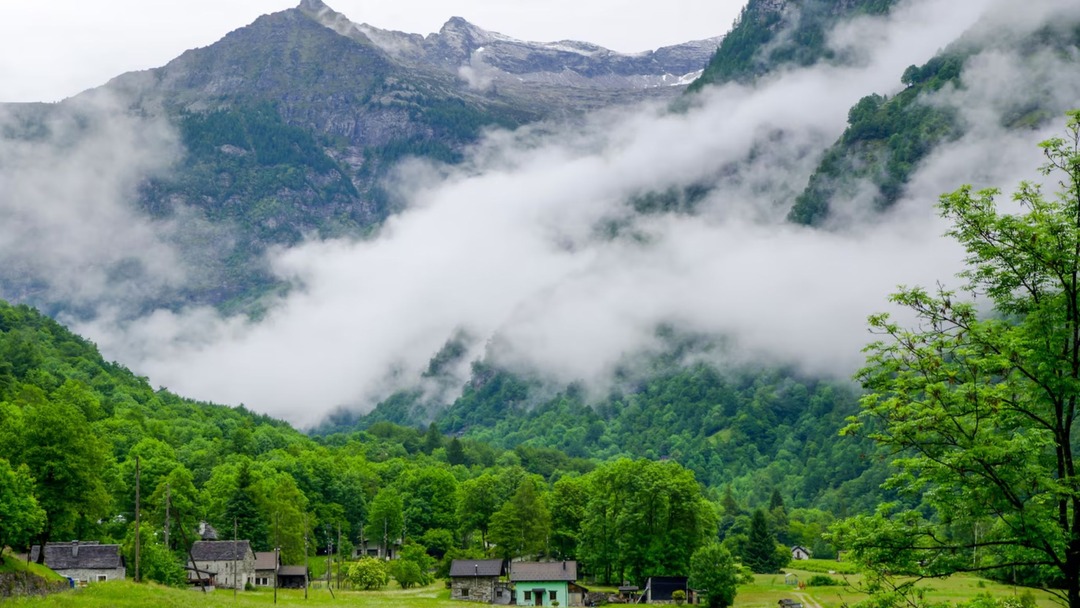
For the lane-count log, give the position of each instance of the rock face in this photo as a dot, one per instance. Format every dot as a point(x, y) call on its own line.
point(17, 584)
point(516, 70)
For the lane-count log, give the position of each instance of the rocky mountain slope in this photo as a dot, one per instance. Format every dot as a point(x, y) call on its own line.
point(288, 125)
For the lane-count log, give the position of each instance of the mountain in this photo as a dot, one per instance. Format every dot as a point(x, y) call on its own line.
point(773, 34)
point(546, 77)
point(289, 126)
point(888, 138)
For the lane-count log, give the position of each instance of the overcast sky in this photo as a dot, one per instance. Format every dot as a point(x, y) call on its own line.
point(55, 49)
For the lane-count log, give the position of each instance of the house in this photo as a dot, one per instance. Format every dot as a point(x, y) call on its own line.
point(543, 583)
point(375, 549)
point(226, 563)
point(477, 580)
point(292, 577)
point(659, 589)
point(798, 552)
point(266, 566)
point(84, 562)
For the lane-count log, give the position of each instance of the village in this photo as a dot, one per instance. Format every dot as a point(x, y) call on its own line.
point(233, 565)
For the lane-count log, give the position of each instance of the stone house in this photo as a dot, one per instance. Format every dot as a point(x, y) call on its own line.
point(216, 559)
point(266, 566)
point(543, 583)
point(84, 562)
point(477, 580)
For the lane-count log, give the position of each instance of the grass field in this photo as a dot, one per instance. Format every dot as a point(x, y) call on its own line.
point(765, 592)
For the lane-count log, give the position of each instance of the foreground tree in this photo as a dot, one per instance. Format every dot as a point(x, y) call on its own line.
point(982, 403)
point(20, 515)
point(713, 573)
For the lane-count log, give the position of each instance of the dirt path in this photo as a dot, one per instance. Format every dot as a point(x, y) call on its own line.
point(807, 601)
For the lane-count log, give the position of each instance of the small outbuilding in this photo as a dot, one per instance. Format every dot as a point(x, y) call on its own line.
point(292, 577)
point(659, 589)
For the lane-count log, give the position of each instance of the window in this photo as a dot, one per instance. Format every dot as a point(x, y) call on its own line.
point(553, 595)
point(528, 596)
point(102, 577)
point(498, 593)
point(464, 593)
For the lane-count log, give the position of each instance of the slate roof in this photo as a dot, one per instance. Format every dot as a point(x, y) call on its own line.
point(292, 571)
point(543, 571)
point(265, 560)
point(220, 550)
point(79, 555)
point(477, 567)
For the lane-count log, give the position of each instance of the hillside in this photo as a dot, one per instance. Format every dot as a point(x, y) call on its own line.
point(73, 427)
point(770, 35)
point(888, 137)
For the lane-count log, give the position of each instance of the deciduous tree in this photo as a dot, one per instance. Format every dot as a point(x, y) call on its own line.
point(981, 397)
point(713, 573)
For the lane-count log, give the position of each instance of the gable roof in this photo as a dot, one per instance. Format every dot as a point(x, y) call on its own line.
point(265, 560)
point(220, 550)
point(543, 571)
point(292, 571)
point(83, 555)
point(477, 567)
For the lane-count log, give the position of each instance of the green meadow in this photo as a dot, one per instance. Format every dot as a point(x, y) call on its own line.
point(765, 592)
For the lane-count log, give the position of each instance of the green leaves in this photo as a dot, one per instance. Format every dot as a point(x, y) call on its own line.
point(982, 407)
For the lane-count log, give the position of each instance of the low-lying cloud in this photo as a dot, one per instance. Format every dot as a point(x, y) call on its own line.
point(531, 247)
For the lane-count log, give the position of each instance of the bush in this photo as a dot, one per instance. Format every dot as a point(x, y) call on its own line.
point(820, 580)
point(368, 573)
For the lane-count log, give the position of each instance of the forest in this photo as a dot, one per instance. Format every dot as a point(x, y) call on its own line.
point(73, 427)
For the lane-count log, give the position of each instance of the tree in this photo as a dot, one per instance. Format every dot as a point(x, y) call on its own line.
point(478, 499)
point(242, 510)
point(386, 521)
point(67, 460)
point(367, 573)
point(761, 554)
point(713, 573)
point(982, 403)
point(20, 515)
point(521, 526)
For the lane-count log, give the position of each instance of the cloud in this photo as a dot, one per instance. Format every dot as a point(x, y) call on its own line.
point(530, 245)
point(68, 230)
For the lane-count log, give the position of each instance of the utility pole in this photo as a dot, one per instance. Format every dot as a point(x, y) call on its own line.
point(137, 521)
point(340, 560)
point(329, 562)
point(234, 543)
point(307, 568)
point(385, 540)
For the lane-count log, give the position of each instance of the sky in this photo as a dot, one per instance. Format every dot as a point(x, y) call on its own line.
point(53, 50)
point(511, 248)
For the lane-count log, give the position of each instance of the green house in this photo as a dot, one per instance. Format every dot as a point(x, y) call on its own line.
point(544, 583)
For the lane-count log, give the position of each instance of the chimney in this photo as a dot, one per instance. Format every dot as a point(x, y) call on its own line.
point(564, 564)
point(74, 548)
